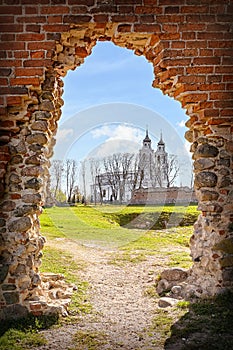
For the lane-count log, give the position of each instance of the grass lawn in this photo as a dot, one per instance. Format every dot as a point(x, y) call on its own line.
point(113, 225)
point(186, 326)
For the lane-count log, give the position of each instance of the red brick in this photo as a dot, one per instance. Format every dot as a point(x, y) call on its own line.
point(37, 63)
point(194, 97)
point(29, 10)
point(14, 100)
point(55, 19)
point(25, 81)
point(221, 95)
point(124, 28)
point(11, 63)
point(3, 81)
point(80, 10)
point(168, 36)
point(55, 28)
point(15, 45)
point(45, 45)
point(206, 61)
point(124, 18)
point(30, 37)
point(35, 28)
point(177, 44)
point(171, 9)
point(101, 18)
point(81, 2)
point(6, 19)
point(11, 28)
point(195, 9)
point(27, 72)
point(146, 10)
point(32, 19)
point(7, 37)
point(76, 19)
point(15, 196)
point(14, 10)
point(38, 54)
point(200, 70)
point(170, 28)
point(81, 52)
point(55, 10)
point(21, 54)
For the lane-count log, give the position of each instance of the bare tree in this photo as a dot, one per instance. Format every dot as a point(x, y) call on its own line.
point(172, 169)
point(57, 170)
point(97, 179)
point(71, 177)
point(84, 175)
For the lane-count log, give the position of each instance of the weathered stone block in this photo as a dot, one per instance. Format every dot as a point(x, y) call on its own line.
point(225, 182)
point(206, 151)
point(226, 246)
point(203, 163)
point(11, 297)
point(8, 287)
point(206, 179)
point(38, 138)
point(32, 198)
point(3, 272)
point(174, 274)
point(2, 222)
point(21, 148)
point(14, 178)
point(32, 171)
point(40, 125)
point(42, 115)
point(26, 209)
point(16, 159)
point(35, 160)
point(47, 105)
point(207, 195)
point(34, 183)
point(14, 312)
point(7, 206)
point(20, 225)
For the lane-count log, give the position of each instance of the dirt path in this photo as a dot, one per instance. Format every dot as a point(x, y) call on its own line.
point(122, 310)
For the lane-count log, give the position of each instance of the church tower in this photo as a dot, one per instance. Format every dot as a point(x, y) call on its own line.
point(146, 163)
point(161, 162)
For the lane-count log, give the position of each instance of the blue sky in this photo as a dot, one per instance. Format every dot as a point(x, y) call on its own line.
point(108, 103)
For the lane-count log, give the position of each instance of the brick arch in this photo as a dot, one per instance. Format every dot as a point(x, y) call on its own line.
point(191, 64)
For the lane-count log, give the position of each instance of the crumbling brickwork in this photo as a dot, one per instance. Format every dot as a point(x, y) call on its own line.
point(189, 43)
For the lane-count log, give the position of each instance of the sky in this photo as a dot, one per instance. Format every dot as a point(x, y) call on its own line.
point(109, 102)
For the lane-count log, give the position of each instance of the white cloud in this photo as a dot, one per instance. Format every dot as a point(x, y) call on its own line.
point(64, 134)
point(119, 132)
point(181, 124)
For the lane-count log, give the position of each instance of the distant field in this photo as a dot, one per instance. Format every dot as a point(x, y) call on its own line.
point(113, 225)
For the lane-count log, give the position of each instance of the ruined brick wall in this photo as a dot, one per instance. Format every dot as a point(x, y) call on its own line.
point(172, 195)
point(189, 43)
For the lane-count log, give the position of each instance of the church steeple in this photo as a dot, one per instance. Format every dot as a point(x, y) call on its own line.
point(147, 140)
point(161, 142)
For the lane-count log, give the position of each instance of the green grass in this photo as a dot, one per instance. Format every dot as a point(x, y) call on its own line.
point(112, 225)
point(84, 340)
point(15, 339)
point(207, 324)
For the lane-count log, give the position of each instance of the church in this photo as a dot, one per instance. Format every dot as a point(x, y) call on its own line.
point(151, 173)
point(153, 164)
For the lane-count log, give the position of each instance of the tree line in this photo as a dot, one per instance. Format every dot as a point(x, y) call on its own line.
point(117, 171)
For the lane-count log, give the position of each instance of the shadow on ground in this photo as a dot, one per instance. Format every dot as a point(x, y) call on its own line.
point(207, 325)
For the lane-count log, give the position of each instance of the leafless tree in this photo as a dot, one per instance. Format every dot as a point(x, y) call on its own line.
point(71, 168)
point(172, 169)
point(57, 170)
point(96, 170)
